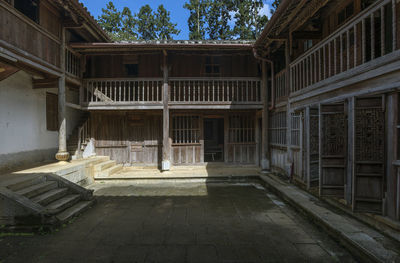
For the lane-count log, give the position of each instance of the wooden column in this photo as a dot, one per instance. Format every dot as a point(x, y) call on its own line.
point(288, 113)
point(166, 151)
point(349, 189)
point(391, 172)
point(265, 162)
point(307, 161)
point(62, 154)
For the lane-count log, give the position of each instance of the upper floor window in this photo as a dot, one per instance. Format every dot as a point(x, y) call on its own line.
point(30, 8)
point(345, 13)
point(132, 70)
point(212, 66)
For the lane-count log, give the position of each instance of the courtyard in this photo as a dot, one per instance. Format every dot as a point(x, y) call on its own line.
point(180, 222)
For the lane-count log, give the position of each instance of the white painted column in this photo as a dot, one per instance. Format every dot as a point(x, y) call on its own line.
point(62, 154)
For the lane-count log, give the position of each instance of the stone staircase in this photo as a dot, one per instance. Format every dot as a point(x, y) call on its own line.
point(43, 200)
point(106, 168)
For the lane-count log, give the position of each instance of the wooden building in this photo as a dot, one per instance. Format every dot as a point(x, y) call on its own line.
point(315, 97)
point(333, 88)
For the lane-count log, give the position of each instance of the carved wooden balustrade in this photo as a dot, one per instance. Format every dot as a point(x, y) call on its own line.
point(215, 91)
point(366, 37)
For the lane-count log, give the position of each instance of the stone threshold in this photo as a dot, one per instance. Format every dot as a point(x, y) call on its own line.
point(364, 242)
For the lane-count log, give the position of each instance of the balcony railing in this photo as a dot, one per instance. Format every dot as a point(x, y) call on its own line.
point(126, 92)
point(367, 36)
point(215, 90)
point(121, 91)
point(72, 63)
point(281, 86)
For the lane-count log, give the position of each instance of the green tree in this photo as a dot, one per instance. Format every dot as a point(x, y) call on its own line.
point(196, 21)
point(110, 20)
point(218, 17)
point(249, 21)
point(146, 23)
point(128, 30)
point(275, 5)
point(163, 26)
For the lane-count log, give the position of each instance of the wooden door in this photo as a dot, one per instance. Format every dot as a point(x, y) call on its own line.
point(145, 139)
point(333, 148)
point(369, 154)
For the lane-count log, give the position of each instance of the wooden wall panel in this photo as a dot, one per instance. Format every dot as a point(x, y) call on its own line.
point(186, 154)
point(278, 157)
point(20, 32)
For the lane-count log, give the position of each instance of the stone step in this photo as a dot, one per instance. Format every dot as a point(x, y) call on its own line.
point(63, 203)
point(104, 165)
point(74, 210)
point(24, 181)
point(110, 171)
point(50, 196)
point(38, 189)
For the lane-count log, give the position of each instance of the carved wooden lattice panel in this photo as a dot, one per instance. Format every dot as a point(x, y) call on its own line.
point(369, 147)
point(333, 132)
point(314, 145)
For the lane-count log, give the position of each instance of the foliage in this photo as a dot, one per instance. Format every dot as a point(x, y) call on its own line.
point(196, 20)
point(275, 5)
point(145, 25)
point(215, 17)
point(249, 21)
point(164, 27)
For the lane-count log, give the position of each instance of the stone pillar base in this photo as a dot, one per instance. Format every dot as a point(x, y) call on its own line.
point(62, 156)
point(166, 165)
point(265, 165)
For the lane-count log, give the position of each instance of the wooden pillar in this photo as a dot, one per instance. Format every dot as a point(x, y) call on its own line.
point(392, 193)
point(307, 161)
point(166, 152)
point(349, 189)
point(265, 162)
point(288, 113)
point(226, 138)
point(62, 154)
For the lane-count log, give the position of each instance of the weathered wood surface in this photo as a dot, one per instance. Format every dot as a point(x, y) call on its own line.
point(25, 35)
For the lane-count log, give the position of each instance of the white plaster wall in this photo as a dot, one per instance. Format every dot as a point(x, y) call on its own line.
point(23, 116)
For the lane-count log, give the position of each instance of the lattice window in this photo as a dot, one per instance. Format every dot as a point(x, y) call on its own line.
point(277, 128)
point(295, 129)
point(185, 129)
point(241, 129)
point(212, 66)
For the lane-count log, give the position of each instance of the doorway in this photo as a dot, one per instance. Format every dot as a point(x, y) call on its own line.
point(214, 140)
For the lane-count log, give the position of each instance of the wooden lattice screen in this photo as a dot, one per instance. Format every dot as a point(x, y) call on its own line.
point(277, 128)
point(241, 129)
point(186, 129)
point(295, 129)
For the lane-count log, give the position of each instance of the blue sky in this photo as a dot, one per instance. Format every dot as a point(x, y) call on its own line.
point(179, 15)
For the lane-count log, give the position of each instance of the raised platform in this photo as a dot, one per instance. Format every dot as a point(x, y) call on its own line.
point(184, 172)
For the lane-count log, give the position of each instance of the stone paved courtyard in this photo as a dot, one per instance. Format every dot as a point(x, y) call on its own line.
point(191, 222)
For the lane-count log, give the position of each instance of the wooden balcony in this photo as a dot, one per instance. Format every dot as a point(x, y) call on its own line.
point(73, 64)
point(364, 43)
point(27, 39)
point(281, 89)
point(194, 93)
point(215, 93)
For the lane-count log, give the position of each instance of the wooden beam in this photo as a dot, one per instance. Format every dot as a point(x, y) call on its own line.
point(291, 16)
point(307, 35)
point(48, 83)
point(312, 8)
point(6, 71)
